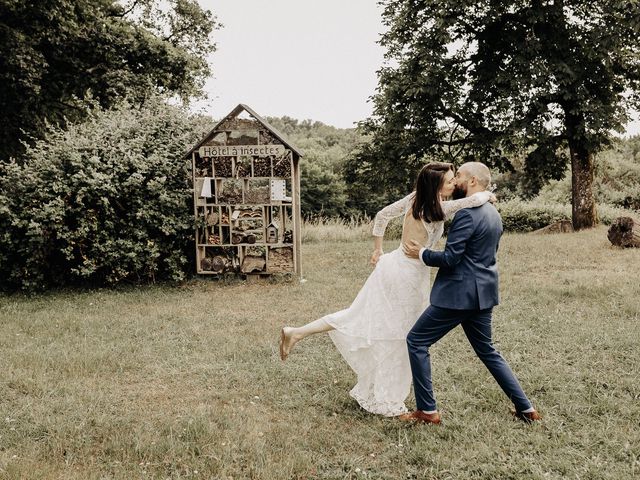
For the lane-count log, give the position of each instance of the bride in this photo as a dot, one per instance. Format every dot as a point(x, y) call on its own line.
point(371, 333)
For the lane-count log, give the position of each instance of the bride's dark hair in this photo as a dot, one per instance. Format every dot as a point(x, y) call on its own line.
point(426, 204)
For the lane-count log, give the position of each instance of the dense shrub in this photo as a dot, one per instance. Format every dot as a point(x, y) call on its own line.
point(526, 216)
point(104, 202)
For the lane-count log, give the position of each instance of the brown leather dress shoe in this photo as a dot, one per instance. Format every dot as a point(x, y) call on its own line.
point(420, 416)
point(528, 417)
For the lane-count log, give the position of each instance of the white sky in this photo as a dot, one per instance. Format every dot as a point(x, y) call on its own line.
point(307, 59)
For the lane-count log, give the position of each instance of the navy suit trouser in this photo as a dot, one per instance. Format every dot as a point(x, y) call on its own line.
point(434, 324)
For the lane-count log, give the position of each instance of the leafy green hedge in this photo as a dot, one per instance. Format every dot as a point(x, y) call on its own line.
point(526, 216)
point(104, 202)
point(523, 216)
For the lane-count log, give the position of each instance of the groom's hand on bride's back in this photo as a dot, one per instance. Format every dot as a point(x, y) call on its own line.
point(411, 249)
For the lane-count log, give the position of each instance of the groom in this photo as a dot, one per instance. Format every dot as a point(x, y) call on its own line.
point(464, 293)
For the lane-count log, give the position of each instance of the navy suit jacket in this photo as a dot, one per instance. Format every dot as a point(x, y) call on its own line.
point(468, 274)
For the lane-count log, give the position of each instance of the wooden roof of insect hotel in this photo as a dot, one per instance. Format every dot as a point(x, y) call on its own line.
point(226, 122)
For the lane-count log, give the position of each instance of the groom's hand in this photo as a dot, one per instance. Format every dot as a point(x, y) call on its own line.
point(411, 248)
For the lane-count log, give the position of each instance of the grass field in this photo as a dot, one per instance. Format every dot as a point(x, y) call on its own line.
point(186, 382)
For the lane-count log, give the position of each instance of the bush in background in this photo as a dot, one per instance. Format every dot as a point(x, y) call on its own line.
point(526, 216)
point(104, 202)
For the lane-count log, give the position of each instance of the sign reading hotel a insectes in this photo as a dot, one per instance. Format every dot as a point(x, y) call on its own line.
point(243, 150)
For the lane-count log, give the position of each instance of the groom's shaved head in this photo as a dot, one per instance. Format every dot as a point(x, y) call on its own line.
point(478, 170)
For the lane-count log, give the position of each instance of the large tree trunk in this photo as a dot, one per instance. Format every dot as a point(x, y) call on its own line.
point(583, 212)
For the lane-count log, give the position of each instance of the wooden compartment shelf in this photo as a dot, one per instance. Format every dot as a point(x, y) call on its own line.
point(246, 198)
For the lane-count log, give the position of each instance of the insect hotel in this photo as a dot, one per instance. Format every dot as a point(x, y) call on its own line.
point(246, 179)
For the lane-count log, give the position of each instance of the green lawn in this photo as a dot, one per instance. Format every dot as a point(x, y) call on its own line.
point(186, 382)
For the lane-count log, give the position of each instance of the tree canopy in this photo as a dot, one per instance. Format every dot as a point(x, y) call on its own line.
point(544, 81)
point(325, 149)
point(58, 55)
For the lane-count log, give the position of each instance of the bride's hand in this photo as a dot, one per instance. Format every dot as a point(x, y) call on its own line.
point(375, 256)
point(493, 198)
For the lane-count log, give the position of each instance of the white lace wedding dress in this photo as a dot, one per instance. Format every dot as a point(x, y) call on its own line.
point(371, 333)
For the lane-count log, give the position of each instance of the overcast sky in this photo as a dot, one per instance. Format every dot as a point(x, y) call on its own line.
point(307, 59)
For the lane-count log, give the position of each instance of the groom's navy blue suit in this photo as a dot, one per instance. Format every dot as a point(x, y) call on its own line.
point(464, 293)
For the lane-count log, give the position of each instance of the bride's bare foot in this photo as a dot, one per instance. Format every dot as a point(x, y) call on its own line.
point(287, 341)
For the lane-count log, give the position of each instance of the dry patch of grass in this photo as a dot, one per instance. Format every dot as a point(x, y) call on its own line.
point(186, 382)
point(354, 229)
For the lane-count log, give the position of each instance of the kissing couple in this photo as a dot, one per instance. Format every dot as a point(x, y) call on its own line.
point(378, 335)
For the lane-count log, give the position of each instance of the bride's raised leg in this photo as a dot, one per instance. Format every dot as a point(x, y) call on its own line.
point(289, 336)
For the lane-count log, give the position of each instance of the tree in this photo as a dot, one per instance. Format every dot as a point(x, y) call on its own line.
point(322, 191)
point(543, 81)
point(57, 54)
point(617, 177)
point(325, 149)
